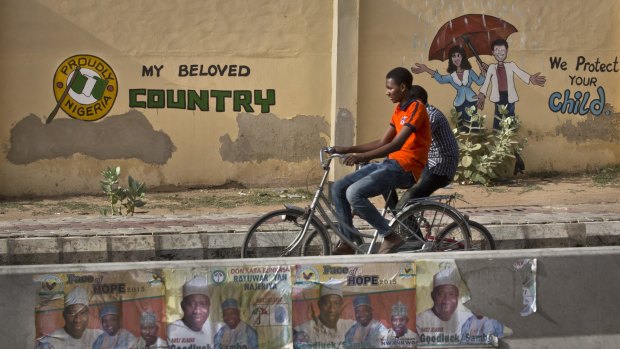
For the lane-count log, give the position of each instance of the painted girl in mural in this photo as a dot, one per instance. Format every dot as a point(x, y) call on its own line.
point(460, 76)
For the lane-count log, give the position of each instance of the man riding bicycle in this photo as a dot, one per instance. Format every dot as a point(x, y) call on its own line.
point(405, 143)
point(443, 155)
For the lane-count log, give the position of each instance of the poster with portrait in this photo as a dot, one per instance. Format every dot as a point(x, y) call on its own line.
point(354, 305)
point(99, 310)
point(229, 307)
point(442, 318)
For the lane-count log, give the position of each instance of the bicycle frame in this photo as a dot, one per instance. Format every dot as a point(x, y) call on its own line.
point(319, 201)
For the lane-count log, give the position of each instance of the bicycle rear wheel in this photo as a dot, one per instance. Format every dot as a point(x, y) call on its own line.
point(429, 222)
point(274, 232)
point(481, 238)
point(315, 242)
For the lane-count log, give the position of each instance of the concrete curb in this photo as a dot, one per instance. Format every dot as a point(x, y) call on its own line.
point(191, 243)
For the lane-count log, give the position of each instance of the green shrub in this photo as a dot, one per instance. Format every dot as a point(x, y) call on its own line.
point(129, 198)
point(485, 153)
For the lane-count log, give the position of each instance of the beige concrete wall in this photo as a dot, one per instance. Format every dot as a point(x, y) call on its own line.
point(285, 45)
point(289, 50)
point(400, 32)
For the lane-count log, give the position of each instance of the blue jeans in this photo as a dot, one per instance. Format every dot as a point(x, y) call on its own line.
point(354, 189)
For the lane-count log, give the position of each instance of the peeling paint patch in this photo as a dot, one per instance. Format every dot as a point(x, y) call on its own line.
point(123, 136)
point(265, 136)
point(605, 127)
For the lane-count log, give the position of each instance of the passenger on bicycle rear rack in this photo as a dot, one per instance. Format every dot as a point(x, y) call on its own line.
point(405, 143)
point(443, 155)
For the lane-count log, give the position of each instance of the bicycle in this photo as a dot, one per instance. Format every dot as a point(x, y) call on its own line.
point(294, 231)
point(481, 237)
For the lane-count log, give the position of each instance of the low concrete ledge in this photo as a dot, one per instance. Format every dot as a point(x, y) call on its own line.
point(188, 245)
point(576, 292)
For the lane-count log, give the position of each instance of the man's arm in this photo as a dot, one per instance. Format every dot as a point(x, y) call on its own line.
point(360, 148)
point(390, 143)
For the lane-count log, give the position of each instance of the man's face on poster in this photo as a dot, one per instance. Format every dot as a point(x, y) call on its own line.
point(76, 319)
point(195, 310)
point(399, 325)
point(231, 317)
point(363, 314)
point(330, 307)
point(111, 324)
point(445, 301)
point(149, 333)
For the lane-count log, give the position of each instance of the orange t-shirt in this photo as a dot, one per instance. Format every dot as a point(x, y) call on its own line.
point(413, 155)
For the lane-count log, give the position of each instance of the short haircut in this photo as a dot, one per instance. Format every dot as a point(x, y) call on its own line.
point(499, 42)
point(420, 93)
point(400, 75)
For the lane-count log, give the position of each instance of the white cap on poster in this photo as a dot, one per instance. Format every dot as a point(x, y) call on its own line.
point(197, 285)
point(448, 276)
point(77, 295)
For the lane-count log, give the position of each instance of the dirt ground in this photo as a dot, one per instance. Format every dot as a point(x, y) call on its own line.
point(555, 191)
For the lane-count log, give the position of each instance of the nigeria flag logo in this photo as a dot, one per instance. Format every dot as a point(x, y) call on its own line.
point(85, 87)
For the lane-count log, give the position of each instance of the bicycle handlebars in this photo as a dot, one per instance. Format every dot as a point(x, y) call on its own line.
point(331, 152)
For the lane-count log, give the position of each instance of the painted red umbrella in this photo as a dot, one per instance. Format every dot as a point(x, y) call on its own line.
point(473, 32)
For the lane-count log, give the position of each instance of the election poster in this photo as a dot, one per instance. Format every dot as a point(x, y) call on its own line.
point(229, 307)
point(354, 305)
point(100, 310)
point(442, 320)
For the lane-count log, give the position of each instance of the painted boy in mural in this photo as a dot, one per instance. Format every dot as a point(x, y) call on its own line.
point(75, 334)
point(460, 76)
point(501, 77)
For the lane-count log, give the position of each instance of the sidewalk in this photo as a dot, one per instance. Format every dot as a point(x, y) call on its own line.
point(91, 239)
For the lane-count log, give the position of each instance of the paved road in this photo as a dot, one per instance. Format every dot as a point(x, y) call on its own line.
point(114, 239)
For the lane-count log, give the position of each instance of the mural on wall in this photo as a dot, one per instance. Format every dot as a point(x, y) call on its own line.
point(579, 102)
point(473, 35)
point(204, 100)
point(85, 87)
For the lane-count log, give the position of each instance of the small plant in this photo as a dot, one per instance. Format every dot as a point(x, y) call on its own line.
point(129, 198)
point(609, 175)
point(483, 153)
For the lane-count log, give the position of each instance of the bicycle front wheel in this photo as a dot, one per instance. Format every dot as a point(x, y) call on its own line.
point(275, 233)
point(481, 238)
point(427, 224)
